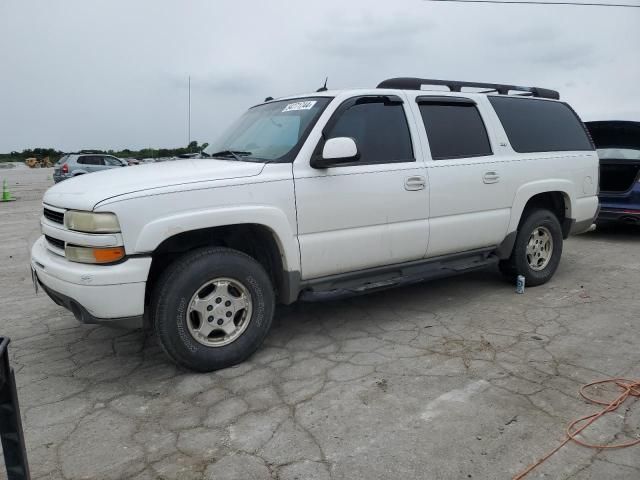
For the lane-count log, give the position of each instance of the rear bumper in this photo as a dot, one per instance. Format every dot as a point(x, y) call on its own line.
point(58, 177)
point(585, 212)
point(623, 208)
point(622, 215)
point(93, 293)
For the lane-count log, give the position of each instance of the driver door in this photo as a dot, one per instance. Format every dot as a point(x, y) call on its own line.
point(373, 211)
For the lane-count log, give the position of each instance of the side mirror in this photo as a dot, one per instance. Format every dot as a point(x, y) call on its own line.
point(337, 151)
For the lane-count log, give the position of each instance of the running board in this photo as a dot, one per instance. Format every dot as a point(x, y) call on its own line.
point(382, 278)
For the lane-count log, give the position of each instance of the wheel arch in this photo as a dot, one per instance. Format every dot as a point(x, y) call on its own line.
point(256, 240)
point(556, 196)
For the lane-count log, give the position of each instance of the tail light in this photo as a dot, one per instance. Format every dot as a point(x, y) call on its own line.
point(65, 168)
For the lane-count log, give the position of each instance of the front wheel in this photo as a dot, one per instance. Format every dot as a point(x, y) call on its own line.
point(213, 308)
point(537, 250)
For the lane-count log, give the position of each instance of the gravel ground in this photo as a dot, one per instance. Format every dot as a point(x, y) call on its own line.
point(454, 379)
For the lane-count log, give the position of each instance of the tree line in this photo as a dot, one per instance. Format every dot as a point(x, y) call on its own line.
point(54, 154)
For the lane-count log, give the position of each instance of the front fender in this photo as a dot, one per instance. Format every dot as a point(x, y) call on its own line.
point(528, 190)
point(157, 231)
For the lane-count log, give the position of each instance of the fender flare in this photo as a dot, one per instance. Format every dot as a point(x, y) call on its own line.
point(528, 190)
point(160, 229)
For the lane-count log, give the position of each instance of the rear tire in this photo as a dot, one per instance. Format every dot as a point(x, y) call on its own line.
point(194, 327)
point(537, 249)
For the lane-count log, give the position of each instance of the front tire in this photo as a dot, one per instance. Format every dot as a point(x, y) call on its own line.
point(212, 308)
point(537, 250)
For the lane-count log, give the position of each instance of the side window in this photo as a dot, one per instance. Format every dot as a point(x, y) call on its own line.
point(90, 160)
point(113, 162)
point(379, 128)
point(454, 130)
point(540, 125)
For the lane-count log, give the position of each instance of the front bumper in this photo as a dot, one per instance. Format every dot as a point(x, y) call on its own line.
point(111, 294)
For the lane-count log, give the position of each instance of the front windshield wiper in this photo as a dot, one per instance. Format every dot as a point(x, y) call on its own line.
point(230, 153)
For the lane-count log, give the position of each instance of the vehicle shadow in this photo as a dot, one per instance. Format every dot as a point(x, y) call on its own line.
point(427, 296)
point(614, 232)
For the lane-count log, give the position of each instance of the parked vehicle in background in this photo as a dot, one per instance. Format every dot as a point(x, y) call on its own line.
point(618, 144)
point(318, 196)
point(74, 164)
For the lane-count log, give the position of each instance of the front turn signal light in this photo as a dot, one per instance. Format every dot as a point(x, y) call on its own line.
point(93, 255)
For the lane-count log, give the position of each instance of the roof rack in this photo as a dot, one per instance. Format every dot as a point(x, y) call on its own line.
point(409, 83)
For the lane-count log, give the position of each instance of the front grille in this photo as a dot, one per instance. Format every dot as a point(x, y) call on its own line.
point(55, 242)
point(57, 217)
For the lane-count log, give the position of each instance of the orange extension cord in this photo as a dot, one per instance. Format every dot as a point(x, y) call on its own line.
point(630, 388)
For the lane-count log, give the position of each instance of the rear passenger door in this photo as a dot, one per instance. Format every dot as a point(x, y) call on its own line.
point(88, 163)
point(470, 186)
point(374, 211)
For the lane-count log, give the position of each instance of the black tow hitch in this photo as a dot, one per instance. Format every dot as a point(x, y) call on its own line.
point(15, 453)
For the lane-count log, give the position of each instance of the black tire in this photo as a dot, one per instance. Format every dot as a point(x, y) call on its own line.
point(177, 285)
point(517, 263)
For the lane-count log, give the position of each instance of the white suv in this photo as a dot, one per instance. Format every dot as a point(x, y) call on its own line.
point(310, 197)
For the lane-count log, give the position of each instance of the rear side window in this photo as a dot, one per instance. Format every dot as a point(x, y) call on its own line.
point(454, 130)
point(379, 129)
point(114, 162)
point(540, 125)
point(90, 160)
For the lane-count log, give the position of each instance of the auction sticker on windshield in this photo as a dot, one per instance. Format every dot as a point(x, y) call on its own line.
point(292, 107)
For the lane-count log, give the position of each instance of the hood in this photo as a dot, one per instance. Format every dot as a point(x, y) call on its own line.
point(615, 134)
point(85, 191)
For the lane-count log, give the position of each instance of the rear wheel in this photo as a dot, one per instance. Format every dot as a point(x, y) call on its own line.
point(537, 250)
point(213, 308)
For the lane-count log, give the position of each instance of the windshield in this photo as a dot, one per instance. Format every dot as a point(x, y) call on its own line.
point(619, 153)
point(270, 132)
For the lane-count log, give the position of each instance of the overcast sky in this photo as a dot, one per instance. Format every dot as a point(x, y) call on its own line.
point(113, 73)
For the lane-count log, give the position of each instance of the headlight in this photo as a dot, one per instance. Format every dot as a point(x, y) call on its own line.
point(90, 222)
point(93, 255)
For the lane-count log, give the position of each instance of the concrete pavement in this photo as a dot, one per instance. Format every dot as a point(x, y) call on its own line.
point(454, 379)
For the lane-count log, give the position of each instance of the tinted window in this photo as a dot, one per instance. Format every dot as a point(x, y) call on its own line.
point(114, 162)
point(540, 125)
point(380, 130)
point(455, 130)
point(90, 160)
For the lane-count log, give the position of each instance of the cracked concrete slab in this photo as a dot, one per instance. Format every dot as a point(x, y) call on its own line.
point(454, 379)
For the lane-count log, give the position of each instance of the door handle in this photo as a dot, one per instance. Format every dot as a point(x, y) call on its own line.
point(491, 177)
point(415, 183)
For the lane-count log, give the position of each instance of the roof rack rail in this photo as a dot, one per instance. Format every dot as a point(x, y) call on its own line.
point(409, 83)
